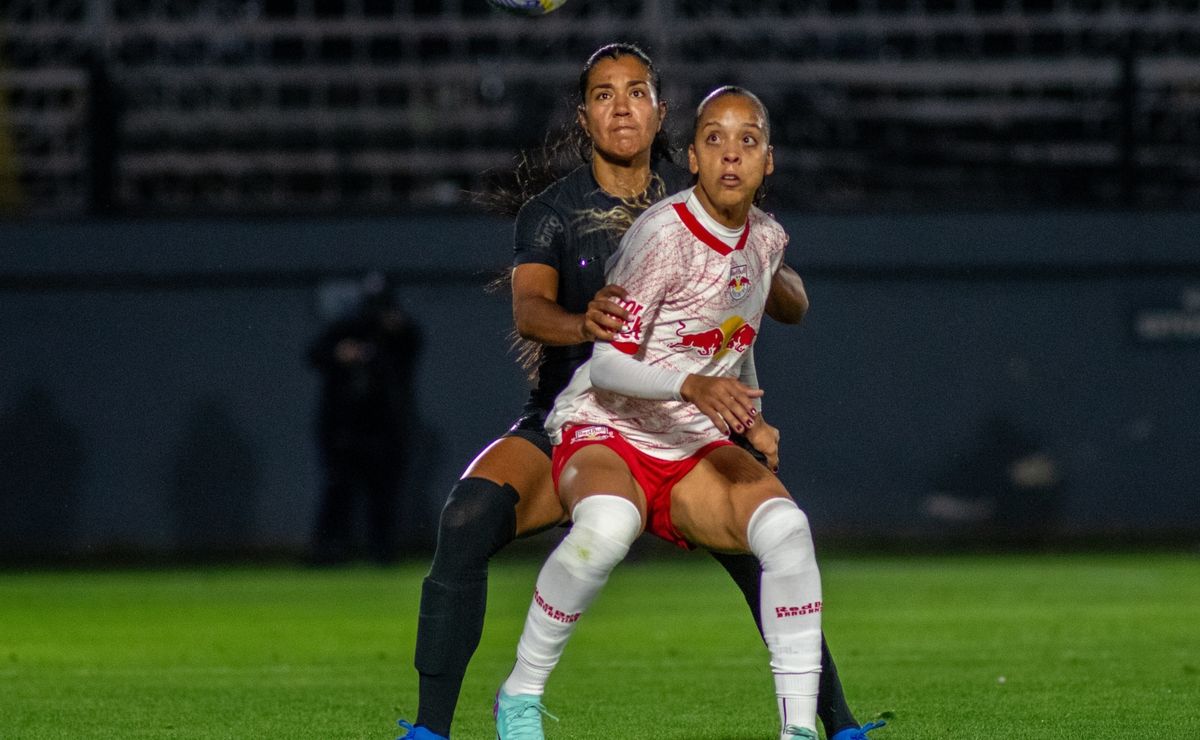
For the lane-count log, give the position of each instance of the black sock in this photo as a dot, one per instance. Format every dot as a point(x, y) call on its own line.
point(478, 520)
point(448, 632)
point(746, 572)
point(832, 708)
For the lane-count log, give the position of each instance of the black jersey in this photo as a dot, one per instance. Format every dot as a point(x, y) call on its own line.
point(574, 226)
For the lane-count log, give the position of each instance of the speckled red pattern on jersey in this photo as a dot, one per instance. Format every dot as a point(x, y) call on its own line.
point(695, 307)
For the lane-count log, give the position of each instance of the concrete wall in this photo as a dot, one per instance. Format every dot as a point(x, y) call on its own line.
point(154, 396)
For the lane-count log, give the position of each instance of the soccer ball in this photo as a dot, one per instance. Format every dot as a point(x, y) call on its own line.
point(527, 7)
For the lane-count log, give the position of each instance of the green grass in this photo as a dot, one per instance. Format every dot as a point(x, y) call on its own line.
point(1097, 646)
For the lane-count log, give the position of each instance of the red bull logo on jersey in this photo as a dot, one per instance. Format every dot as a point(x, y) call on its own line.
point(705, 343)
point(741, 339)
point(739, 282)
point(734, 334)
point(591, 434)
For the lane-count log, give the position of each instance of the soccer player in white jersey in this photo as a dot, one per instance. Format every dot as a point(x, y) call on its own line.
point(641, 433)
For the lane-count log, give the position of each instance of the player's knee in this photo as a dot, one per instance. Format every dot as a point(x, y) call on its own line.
point(779, 535)
point(478, 519)
point(604, 528)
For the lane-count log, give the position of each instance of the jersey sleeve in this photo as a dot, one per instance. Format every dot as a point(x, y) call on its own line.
point(539, 235)
point(616, 371)
point(645, 265)
point(780, 239)
point(777, 261)
point(748, 374)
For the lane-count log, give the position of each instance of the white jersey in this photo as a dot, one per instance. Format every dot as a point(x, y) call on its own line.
point(696, 294)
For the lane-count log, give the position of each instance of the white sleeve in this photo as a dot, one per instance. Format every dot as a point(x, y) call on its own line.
point(748, 375)
point(645, 264)
point(615, 371)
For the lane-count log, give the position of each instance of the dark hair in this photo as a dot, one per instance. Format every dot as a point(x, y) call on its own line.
point(563, 150)
point(723, 91)
point(505, 191)
point(616, 51)
point(567, 147)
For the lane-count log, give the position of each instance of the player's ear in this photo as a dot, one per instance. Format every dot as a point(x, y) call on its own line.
point(662, 115)
point(693, 163)
point(770, 159)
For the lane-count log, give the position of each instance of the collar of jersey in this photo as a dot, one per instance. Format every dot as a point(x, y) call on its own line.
point(701, 232)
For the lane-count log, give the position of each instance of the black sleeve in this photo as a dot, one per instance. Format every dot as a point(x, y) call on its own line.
point(322, 351)
point(540, 235)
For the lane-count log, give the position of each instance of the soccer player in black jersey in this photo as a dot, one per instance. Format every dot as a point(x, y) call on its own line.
point(564, 235)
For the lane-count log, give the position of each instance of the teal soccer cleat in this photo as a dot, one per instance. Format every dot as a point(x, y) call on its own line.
point(519, 717)
point(857, 733)
point(792, 732)
point(418, 733)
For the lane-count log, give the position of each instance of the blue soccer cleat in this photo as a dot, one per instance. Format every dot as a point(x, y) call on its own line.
point(792, 732)
point(857, 733)
point(418, 733)
point(519, 717)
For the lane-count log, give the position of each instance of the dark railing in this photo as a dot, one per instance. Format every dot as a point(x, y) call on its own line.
point(241, 107)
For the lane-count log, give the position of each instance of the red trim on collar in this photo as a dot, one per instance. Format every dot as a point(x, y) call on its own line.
point(689, 220)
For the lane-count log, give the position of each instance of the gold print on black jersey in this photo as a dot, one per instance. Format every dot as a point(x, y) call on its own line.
point(547, 229)
point(617, 220)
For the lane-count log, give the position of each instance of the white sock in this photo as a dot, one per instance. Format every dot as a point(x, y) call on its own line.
point(791, 607)
point(604, 528)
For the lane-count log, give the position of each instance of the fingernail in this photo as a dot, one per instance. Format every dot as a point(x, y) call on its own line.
point(750, 423)
point(753, 412)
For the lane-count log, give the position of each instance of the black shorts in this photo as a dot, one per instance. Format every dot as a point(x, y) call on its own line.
point(744, 443)
point(531, 427)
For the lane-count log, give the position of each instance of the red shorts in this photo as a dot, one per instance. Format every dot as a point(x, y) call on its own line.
point(656, 477)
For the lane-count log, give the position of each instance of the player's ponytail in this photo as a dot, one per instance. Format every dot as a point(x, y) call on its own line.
point(563, 149)
point(536, 169)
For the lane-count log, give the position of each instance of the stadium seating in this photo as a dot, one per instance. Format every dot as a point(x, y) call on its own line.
point(303, 106)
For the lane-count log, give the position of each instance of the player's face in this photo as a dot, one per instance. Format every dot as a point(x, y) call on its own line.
point(730, 157)
point(620, 112)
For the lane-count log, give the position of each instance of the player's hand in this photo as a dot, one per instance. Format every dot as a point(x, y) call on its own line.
point(604, 317)
point(765, 439)
point(728, 402)
point(352, 351)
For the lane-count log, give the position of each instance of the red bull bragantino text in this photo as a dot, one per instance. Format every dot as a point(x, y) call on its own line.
point(630, 337)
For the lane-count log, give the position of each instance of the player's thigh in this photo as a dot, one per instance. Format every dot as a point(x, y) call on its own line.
point(520, 464)
point(713, 503)
point(597, 470)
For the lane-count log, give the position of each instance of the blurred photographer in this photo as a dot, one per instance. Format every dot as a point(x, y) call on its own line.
point(367, 361)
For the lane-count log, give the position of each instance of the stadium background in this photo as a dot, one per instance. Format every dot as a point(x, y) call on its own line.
point(993, 203)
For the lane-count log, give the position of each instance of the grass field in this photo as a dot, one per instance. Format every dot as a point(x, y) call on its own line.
point(1089, 647)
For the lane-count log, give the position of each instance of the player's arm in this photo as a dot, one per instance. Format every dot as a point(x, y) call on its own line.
point(787, 302)
point(539, 317)
point(760, 435)
point(539, 248)
point(760, 438)
point(727, 402)
point(647, 265)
